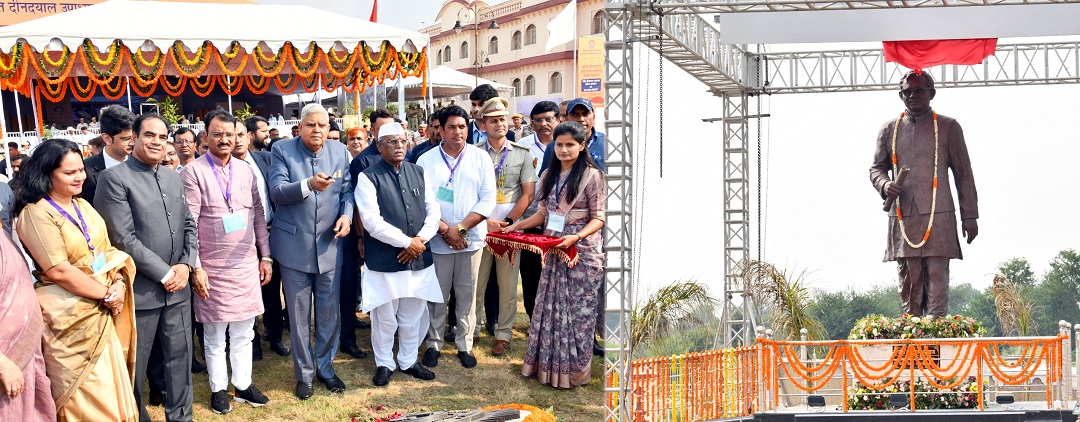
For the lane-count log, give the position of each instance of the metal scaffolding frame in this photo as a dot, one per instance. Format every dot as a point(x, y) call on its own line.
point(677, 30)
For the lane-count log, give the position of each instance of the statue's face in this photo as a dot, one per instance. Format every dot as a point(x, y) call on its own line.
point(916, 95)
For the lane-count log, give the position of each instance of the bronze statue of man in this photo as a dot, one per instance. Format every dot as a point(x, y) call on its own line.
point(922, 146)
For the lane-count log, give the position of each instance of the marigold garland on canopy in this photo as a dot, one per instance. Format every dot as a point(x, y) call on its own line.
point(63, 54)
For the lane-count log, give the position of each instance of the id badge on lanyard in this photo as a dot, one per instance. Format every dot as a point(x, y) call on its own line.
point(98, 263)
point(445, 194)
point(234, 221)
point(556, 222)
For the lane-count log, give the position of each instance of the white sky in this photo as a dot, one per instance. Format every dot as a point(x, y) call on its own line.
point(822, 214)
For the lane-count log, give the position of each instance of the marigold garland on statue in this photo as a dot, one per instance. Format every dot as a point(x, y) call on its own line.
point(933, 199)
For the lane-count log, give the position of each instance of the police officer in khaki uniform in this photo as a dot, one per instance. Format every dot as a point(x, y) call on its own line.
point(515, 186)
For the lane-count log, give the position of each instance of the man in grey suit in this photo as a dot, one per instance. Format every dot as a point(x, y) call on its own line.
point(148, 218)
point(310, 184)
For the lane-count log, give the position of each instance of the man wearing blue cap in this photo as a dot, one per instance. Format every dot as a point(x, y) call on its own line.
point(581, 110)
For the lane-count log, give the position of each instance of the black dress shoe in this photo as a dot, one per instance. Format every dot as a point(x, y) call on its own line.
point(420, 372)
point(280, 348)
point(304, 390)
point(449, 334)
point(197, 367)
point(467, 359)
point(256, 354)
point(361, 324)
point(431, 357)
point(382, 376)
point(334, 384)
point(354, 351)
point(597, 349)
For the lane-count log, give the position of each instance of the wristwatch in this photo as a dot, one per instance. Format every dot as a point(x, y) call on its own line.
point(462, 230)
point(509, 220)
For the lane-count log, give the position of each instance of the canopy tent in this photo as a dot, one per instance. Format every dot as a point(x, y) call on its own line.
point(75, 51)
point(445, 81)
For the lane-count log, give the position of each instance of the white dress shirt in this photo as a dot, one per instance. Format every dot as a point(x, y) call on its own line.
point(382, 287)
point(110, 162)
point(473, 187)
point(537, 150)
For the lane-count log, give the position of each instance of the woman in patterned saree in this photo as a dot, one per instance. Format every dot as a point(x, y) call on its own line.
point(89, 338)
point(571, 206)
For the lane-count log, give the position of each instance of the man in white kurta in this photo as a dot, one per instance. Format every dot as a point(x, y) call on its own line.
point(399, 214)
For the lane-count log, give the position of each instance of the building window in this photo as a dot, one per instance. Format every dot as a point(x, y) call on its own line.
point(517, 87)
point(555, 83)
point(530, 85)
point(598, 23)
point(515, 41)
point(438, 57)
point(447, 56)
point(493, 45)
point(530, 35)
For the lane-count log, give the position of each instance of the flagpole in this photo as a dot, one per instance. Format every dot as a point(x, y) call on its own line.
point(577, 83)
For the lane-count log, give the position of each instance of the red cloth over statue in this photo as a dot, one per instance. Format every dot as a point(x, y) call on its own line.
point(500, 244)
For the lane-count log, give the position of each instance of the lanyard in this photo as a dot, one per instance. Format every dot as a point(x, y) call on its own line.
point(559, 188)
point(536, 141)
point(506, 150)
point(83, 227)
point(226, 191)
point(457, 162)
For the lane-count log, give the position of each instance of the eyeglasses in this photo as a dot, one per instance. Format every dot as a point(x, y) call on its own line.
point(394, 141)
point(551, 119)
point(907, 93)
point(186, 142)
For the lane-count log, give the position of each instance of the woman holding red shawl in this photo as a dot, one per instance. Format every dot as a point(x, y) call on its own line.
point(571, 206)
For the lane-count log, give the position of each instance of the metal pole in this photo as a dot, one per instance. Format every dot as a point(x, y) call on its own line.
point(228, 81)
point(401, 99)
point(127, 86)
point(476, 47)
point(38, 124)
point(18, 111)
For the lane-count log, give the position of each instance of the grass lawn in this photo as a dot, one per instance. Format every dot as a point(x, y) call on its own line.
point(494, 381)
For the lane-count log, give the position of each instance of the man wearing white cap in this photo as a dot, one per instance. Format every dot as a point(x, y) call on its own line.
point(400, 214)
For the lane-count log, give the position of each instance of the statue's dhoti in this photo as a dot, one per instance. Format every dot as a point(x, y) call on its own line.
point(924, 285)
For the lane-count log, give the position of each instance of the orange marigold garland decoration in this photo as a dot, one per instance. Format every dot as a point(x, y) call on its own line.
point(52, 92)
point(277, 62)
point(52, 71)
point(340, 67)
point(233, 87)
point(310, 84)
point(81, 93)
point(156, 65)
point(287, 85)
point(190, 67)
point(171, 89)
point(114, 89)
point(536, 414)
point(13, 62)
point(201, 88)
point(92, 62)
point(258, 84)
point(226, 58)
point(306, 66)
point(142, 89)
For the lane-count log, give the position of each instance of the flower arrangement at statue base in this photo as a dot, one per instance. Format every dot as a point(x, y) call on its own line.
point(962, 396)
point(905, 326)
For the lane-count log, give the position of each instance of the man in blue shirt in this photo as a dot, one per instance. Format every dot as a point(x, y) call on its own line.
point(581, 110)
point(477, 98)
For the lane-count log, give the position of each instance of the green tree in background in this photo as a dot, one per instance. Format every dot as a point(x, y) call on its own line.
point(1057, 295)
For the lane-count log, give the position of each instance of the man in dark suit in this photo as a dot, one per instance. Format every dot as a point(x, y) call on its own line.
point(116, 132)
point(271, 292)
point(148, 218)
point(311, 186)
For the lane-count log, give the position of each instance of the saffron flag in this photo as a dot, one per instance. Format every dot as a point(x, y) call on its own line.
point(563, 28)
point(374, 11)
point(918, 55)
